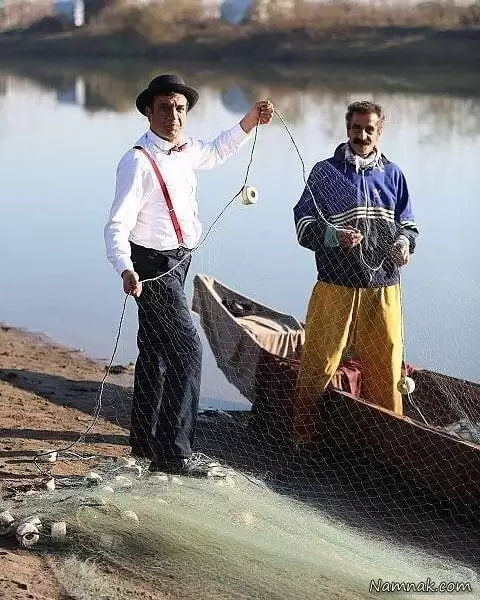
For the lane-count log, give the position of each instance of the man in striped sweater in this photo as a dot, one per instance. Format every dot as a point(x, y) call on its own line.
point(355, 215)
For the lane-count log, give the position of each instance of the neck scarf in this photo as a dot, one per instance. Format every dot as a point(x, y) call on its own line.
point(359, 162)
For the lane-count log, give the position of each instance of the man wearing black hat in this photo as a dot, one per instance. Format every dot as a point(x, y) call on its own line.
point(152, 228)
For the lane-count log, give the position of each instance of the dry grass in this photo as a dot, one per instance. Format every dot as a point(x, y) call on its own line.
point(152, 23)
point(341, 14)
point(177, 19)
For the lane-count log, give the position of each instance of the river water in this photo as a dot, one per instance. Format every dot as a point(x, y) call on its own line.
point(62, 133)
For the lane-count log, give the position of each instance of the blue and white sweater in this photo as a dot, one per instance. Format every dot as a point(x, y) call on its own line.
point(374, 200)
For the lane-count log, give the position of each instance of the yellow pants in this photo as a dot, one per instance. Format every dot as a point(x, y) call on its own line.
point(340, 318)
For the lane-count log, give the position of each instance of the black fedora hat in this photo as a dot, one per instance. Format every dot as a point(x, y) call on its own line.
point(166, 84)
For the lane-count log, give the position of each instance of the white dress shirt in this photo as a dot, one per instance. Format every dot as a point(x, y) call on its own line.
point(139, 211)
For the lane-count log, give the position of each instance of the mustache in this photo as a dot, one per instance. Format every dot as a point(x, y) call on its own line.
point(362, 142)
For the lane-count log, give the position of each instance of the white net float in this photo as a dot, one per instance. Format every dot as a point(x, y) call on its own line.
point(125, 461)
point(6, 522)
point(47, 456)
point(27, 535)
point(406, 385)
point(58, 531)
point(93, 478)
point(121, 482)
point(129, 515)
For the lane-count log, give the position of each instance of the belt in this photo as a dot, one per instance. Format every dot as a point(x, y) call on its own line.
point(178, 253)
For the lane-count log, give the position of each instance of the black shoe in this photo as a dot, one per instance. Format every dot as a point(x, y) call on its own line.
point(197, 465)
point(138, 452)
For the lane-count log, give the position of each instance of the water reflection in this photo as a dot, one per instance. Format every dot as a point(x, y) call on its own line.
point(441, 106)
point(73, 93)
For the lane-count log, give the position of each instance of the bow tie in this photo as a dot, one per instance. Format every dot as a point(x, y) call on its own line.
point(177, 148)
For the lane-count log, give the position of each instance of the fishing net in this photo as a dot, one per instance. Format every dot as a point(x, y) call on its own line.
point(372, 497)
point(223, 537)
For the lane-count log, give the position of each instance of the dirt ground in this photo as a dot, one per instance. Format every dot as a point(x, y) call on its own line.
point(47, 396)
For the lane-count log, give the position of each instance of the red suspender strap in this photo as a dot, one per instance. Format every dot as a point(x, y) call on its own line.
point(166, 194)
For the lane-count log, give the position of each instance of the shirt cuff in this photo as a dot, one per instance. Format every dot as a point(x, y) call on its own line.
point(238, 135)
point(123, 264)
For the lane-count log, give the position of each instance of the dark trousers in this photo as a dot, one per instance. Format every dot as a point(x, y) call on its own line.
point(168, 369)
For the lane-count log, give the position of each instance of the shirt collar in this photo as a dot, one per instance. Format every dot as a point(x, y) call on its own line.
point(159, 142)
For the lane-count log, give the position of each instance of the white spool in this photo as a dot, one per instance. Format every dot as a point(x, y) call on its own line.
point(249, 195)
point(58, 531)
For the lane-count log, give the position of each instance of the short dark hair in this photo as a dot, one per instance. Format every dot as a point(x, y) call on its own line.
point(364, 107)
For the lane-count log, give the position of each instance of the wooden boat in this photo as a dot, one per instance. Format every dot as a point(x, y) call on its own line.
point(258, 349)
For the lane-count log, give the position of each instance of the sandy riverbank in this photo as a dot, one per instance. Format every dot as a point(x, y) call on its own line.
point(47, 393)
